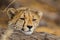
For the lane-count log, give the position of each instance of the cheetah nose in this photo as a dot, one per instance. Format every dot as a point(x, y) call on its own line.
point(29, 26)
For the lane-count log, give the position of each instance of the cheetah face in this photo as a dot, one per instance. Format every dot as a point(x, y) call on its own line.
point(24, 19)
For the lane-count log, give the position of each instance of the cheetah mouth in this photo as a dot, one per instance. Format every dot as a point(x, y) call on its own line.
point(27, 32)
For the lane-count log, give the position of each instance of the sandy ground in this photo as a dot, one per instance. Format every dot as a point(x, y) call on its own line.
point(17, 35)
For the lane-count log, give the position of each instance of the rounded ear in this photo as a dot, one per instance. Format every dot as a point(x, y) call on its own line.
point(40, 13)
point(11, 13)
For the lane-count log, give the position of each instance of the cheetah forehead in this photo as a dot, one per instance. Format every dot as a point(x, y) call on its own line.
point(22, 9)
point(27, 9)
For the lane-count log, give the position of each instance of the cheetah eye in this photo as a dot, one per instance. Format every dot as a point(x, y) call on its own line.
point(34, 19)
point(22, 18)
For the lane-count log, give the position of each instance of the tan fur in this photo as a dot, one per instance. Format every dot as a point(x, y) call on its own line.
point(55, 31)
point(22, 19)
point(7, 34)
point(52, 28)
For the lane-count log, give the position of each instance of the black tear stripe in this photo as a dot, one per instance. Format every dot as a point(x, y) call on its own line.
point(16, 21)
point(24, 20)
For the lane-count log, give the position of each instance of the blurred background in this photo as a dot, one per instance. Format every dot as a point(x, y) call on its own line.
point(50, 9)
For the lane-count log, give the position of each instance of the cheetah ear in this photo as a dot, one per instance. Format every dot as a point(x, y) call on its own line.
point(11, 13)
point(40, 14)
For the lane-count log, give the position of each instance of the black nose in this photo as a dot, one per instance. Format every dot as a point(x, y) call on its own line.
point(29, 27)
